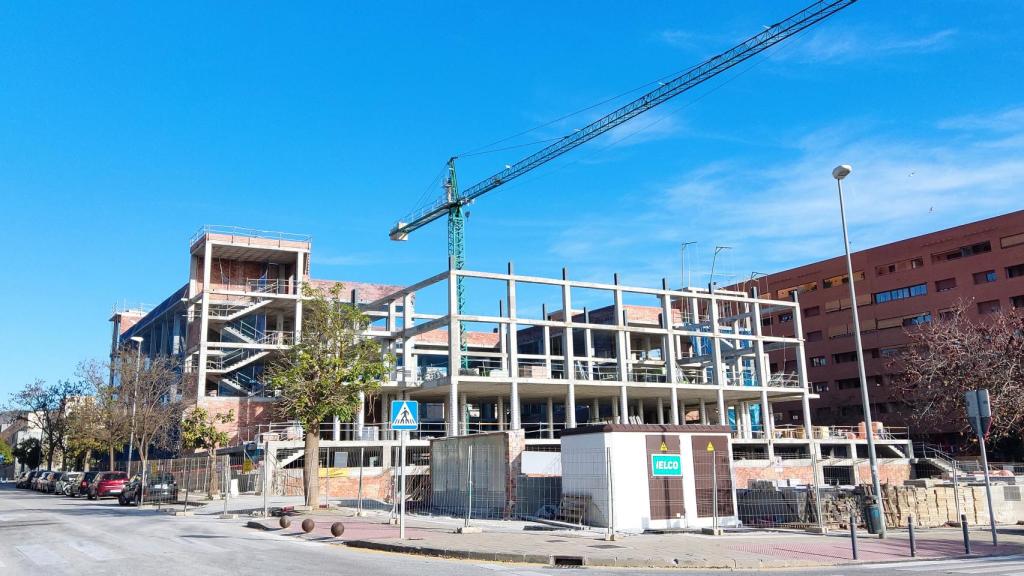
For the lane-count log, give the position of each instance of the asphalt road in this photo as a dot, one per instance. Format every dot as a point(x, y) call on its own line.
point(44, 534)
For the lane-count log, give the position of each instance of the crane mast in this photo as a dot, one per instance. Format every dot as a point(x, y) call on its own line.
point(452, 202)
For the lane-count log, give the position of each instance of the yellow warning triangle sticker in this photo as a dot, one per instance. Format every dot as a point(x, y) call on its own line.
point(664, 447)
point(711, 447)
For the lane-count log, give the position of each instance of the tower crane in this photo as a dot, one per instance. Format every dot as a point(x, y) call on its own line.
point(453, 201)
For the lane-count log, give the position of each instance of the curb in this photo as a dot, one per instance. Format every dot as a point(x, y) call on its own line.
point(445, 553)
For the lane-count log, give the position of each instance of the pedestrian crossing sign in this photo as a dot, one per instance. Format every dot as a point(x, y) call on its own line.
point(405, 415)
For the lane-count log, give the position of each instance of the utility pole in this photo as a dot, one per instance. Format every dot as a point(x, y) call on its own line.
point(135, 392)
point(714, 260)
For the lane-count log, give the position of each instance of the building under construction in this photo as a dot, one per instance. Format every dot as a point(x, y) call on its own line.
point(526, 353)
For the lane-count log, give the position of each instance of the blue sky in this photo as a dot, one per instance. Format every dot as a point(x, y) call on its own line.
point(125, 127)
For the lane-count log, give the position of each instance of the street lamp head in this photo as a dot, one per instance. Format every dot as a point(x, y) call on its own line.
point(842, 171)
point(136, 339)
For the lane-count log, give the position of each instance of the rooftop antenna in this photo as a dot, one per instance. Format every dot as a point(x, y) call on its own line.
point(683, 277)
point(714, 259)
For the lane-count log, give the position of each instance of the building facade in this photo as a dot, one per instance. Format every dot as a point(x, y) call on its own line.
point(899, 285)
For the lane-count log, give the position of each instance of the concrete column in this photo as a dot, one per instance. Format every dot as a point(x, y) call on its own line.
point(299, 277)
point(623, 405)
point(661, 411)
point(551, 417)
point(514, 420)
point(801, 367)
point(621, 340)
point(409, 359)
point(361, 416)
point(336, 429)
point(703, 412)
point(723, 412)
point(204, 319)
point(595, 410)
point(640, 410)
point(513, 346)
point(570, 369)
point(454, 350)
point(501, 413)
point(464, 414)
point(588, 343)
point(615, 411)
point(671, 354)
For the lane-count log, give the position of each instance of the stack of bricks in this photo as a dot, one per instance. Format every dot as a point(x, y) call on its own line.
point(933, 506)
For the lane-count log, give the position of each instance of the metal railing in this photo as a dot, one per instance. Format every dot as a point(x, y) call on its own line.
point(248, 233)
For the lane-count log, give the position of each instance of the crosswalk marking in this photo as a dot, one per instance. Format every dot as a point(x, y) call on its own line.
point(199, 542)
point(910, 564)
point(993, 567)
point(40, 555)
point(94, 551)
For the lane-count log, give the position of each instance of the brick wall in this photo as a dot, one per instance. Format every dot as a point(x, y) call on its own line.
point(249, 414)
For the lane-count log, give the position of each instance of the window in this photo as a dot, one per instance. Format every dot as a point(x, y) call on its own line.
point(766, 321)
point(947, 314)
point(812, 311)
point(843, 357)
point(944, 285)
point(789, 366)
point(988, 307)
point(848, 383)
point(823, 413)
point(1012, 240)
point(900, 293)
point(962, 252)
point(889, 352)
point(814, 336)
point(917, 320)
point(842, 279)
point(819, 361)
point(986, 276)
point(1017, 301)
point(900, 266)
point(784, 294)
point(785, 317)
point(1015, 271)
point(820, 387)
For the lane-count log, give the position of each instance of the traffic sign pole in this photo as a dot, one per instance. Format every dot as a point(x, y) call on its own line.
point(979, 413)
point(401, 489)
point(988, 491)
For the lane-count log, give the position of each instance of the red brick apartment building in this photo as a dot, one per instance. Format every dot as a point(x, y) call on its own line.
point(898, 286)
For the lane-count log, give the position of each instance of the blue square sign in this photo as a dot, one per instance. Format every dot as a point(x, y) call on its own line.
point(405, 415)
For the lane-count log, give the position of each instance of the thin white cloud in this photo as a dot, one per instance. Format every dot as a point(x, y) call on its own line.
point(787, 214)
point(1010, 120)
point(840, 45)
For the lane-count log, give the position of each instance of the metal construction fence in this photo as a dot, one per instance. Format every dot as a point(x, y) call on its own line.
point(185, 481)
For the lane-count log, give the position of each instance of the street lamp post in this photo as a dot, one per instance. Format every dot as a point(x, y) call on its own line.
point(135, 392)
point(839, 173)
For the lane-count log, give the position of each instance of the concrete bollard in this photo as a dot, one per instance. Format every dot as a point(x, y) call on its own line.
point(913, 541)
point(308, 525)
point(967, 537)
point(284, 522)
point(853, 535)
point(337, 529)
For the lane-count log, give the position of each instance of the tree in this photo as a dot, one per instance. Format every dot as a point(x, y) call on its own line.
point(323, 375)
point(83, 433)
point(107, 414)
point(148, 390)
point(47, 406)
point(956, 353)
point(29, 452)
point(199, 431)
point(6, 455)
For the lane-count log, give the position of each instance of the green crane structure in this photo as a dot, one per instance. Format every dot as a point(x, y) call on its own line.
point(453, 200)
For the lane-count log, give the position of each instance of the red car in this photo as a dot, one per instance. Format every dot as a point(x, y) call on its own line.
point(107, 484)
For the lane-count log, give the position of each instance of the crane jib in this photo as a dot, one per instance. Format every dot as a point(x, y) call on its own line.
point(666, 91)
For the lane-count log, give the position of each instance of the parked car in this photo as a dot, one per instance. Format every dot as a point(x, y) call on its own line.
point(66, 482)
point(83, 484)
point(52, 482)
point(106, 484)
point(39, 484)
point(158, 487)
point(24, 479)
point(31, 478)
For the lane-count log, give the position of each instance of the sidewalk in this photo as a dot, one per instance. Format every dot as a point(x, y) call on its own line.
point(742, 550)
